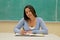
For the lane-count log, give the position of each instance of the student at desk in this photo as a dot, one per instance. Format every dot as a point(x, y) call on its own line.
point(31, 23)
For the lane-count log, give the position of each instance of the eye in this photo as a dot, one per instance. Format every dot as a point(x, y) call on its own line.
point(26, 12)
point(29, 11)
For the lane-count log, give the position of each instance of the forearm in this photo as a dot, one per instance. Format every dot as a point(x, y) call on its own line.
point(19, 26)
point(40, 31)
point(16, 30)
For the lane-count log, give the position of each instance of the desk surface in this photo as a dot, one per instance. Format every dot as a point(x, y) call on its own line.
point(11, 36)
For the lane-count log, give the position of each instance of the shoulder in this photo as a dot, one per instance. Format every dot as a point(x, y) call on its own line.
point(39, 19)
point(21, 20)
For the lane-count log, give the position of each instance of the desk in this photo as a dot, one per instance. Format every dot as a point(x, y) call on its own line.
point(11, 36)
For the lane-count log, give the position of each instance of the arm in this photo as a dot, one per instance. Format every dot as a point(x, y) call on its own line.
point(18, 26)
point(44, 29)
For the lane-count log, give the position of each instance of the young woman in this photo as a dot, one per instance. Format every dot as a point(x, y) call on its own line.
point(31, 23)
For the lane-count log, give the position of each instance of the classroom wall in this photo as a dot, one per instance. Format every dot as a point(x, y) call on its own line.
point(7, 27)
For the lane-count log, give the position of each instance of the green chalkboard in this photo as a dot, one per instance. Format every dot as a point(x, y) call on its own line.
point(14, 9)
point(58, 11)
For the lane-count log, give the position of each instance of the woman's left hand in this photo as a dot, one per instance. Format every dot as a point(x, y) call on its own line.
point(29, 32)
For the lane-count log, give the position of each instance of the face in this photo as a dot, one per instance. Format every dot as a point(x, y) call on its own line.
point(28, 13)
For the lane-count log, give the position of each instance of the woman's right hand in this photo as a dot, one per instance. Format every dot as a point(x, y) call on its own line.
point(23, 32)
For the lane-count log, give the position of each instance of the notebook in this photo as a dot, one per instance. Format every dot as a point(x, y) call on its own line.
point(41, 35)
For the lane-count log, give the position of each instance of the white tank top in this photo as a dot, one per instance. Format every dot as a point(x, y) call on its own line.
point(31, 27)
